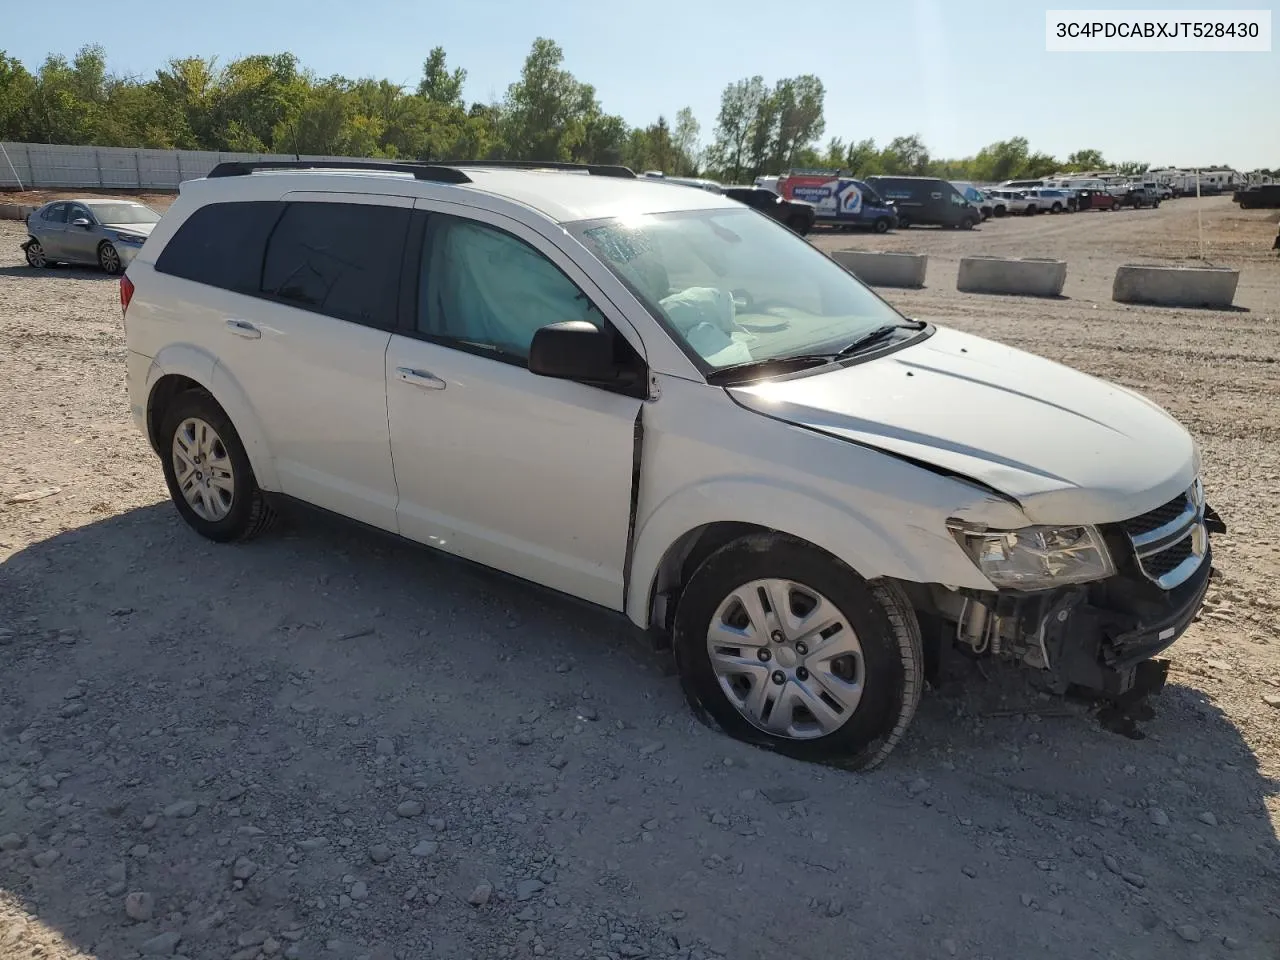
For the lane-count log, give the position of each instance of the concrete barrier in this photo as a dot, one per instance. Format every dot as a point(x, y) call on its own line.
point(15, 211)
point(1175, 286)
point(1030, 277)
point(884, 269)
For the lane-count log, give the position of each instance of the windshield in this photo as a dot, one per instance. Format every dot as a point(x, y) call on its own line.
point(124, 213)
point(735, 287)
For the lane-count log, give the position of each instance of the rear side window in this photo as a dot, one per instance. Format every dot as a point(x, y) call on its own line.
point(339, 259)
point(221, 245)
point(56, 213)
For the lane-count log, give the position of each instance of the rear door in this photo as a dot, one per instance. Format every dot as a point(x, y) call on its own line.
point(301, 300)
point(52, 230)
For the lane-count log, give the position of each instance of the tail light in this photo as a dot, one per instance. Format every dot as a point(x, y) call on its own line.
point(126, 294)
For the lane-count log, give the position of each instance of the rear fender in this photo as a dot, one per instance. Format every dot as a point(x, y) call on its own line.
point(190, 361)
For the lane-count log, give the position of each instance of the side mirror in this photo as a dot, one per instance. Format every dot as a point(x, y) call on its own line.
point(81, 222)
point(575, 350)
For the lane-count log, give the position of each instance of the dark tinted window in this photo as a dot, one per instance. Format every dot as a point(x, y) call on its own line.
point(221, 245)
point(340, 259)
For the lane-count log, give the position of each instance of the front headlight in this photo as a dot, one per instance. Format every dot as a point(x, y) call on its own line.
point(130, 238)
point(1034, 558)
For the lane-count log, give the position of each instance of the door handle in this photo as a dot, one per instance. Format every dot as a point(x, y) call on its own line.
point(420, 378)
point(243, 328)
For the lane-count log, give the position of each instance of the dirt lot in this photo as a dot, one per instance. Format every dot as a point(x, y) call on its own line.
point(325, 745)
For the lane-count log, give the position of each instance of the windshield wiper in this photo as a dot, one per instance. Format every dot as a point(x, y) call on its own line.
point(877, 334)
point(737, 373)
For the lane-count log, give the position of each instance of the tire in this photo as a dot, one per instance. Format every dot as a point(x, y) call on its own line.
point(799, 224)
point(1056, 208)
point(109, 258)
point(968, 223)
point(35, 255)
point(858, 730)
point(881, 225)
point(1000, 211)
point(903, 222)
point(244, 512)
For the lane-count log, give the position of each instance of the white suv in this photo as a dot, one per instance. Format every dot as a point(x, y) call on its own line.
point(654, 399)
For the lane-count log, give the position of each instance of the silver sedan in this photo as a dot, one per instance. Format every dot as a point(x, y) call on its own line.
point(107, 233)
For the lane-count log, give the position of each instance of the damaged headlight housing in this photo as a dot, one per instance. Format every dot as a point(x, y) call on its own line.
point(1036, 558)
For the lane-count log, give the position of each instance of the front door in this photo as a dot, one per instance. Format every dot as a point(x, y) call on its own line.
point(526, 474)
point(80, 242)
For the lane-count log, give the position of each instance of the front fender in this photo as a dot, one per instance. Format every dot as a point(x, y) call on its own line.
point(916, 549)
point(196, 364)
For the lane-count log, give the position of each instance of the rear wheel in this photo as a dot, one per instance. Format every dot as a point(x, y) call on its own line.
point(903, 222)
point(799, 224)
point(786, 647)
point(208, 472)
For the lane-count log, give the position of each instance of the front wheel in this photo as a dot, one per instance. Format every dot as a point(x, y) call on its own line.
point(968, 223)
point(786, 647)
point(108, 257)
point(208, 472)
point(881, 225)
point(1056, 208)
point(35, 255)
point(799, 224)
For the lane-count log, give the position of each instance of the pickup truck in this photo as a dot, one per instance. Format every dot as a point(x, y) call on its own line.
point(1096, 200)
point(1140, 196)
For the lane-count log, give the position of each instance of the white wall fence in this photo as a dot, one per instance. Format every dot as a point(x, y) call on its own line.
point(42, 165)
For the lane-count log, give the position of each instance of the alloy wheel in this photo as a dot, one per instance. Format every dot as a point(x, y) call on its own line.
point(109, 258)
point(35, 255)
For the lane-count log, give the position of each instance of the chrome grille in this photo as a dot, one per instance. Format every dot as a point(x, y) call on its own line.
point(1170, 542)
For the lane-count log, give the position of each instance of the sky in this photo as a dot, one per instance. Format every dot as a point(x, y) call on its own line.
point(959, 73)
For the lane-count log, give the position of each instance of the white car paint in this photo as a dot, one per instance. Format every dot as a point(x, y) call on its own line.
point(1067, 446)
point(534, 476)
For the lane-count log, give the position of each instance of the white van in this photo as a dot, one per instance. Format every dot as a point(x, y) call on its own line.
point(661, 402)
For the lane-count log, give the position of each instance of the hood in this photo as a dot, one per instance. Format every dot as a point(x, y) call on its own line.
point(1068, 447)
point(141, 229)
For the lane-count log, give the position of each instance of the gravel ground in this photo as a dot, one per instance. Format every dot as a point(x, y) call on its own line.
point(329, 745)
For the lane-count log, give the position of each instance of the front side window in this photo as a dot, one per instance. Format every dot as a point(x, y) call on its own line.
point(734, 287)
point(339, 259)
point(484, 290)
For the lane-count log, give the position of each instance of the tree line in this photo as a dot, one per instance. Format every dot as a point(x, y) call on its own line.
point(270, 103)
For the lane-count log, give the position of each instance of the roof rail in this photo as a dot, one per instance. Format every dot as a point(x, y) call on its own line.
point(439, 173)
point(595, 169)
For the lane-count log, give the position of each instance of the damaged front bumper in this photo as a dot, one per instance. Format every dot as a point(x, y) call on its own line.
point(1097, 635)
